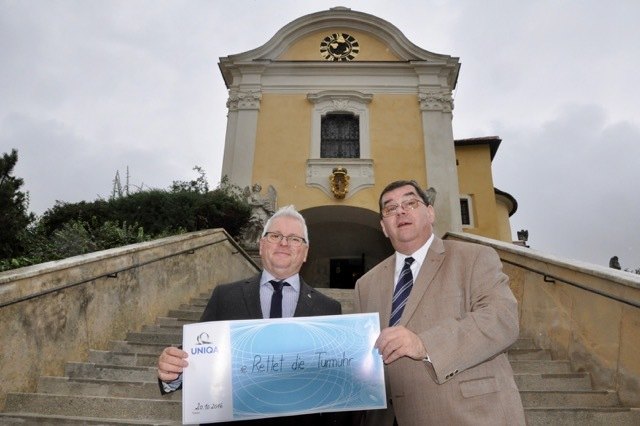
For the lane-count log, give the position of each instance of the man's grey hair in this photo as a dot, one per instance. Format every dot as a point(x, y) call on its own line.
point(288, 211)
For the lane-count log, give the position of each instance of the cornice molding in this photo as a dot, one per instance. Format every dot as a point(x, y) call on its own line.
point(339, 96)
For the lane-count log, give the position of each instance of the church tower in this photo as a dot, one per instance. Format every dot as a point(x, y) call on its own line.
point(336, 105)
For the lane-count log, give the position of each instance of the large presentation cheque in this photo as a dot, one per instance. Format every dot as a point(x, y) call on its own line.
point(278, 367)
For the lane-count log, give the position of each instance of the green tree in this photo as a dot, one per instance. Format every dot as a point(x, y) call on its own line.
point(198, 185)
point(14, 217)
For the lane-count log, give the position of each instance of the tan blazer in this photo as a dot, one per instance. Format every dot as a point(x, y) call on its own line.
point(462, 308)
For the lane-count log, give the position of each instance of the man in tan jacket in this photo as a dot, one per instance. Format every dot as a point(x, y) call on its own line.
point(447, 316)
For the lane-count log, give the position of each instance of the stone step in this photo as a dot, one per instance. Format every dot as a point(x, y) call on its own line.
point(524, 343)
point(541, 366)
point(155, 328)
point(129, 347)
point(344, 296)
point(191, 308)
point(167, 338)
point(168, 321)
point(340, 294)
point(520, 354)
point(583, 416)
point(581, 398)
point(123, 358)
point(556, 382)
point(199, 301)
point(52, 420)
point(184, 315)
point(348, 308)
point(94, 406)
point(110, 372)
point(102, 387)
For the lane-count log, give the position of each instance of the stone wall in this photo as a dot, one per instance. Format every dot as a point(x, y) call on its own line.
point(55, 312)
point(587, 313)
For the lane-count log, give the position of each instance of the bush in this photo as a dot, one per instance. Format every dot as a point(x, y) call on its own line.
point(69, 229)
point(157, 212)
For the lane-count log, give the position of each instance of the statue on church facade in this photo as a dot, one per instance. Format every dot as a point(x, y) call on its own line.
point(431, 195)
point(262, 207)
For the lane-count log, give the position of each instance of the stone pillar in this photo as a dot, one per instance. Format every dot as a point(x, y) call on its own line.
point(436, 105)
point(240, 141)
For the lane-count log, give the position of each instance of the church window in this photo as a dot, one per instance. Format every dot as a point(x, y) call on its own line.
point(340, 136)
point(340, 140)
point(466, 211)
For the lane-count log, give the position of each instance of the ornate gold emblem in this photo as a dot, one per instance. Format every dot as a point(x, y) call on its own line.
point(339, 180)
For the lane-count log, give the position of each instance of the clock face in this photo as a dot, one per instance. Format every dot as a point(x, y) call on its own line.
point(339, 47)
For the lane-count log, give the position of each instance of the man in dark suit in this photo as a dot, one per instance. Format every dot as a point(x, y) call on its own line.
point(283, 250)
point(447, 317)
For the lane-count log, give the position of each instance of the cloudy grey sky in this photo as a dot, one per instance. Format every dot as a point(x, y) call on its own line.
point(88, 88)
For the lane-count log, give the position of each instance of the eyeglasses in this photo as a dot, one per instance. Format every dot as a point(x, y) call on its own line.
point(292, 240)
point(391, 209)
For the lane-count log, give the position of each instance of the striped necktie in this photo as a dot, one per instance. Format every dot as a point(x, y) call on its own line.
point(401, 293)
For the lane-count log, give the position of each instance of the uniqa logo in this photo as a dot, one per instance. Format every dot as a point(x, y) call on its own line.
point(202, 350)
point(204, 345)
point(203, 339)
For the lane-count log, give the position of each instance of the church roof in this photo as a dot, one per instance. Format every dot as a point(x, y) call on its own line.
point(511, 202)
point(492, 141)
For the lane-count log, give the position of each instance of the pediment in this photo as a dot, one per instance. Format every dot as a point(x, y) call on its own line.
point(299, 40)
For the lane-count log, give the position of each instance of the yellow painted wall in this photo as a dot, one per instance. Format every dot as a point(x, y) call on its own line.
point(475, 179)
point(397, 145)
point(503, 222)
point(308, 47)
point(283, 146)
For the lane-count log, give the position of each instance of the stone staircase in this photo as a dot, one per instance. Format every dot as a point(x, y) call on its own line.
point(118, 386)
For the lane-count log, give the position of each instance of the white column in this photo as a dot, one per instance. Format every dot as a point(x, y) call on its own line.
point(440, 157)
point(240, 140)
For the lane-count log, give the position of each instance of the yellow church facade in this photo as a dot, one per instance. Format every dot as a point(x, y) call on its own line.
point(336, 105)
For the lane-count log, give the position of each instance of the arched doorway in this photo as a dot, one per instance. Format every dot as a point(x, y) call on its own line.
point(345, 242)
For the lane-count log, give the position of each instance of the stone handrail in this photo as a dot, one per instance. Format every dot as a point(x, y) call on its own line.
point(587, 313)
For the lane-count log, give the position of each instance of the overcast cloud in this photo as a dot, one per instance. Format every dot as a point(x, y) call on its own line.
point(88, 88)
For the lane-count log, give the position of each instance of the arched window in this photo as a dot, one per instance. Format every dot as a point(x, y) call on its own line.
point(340, 136)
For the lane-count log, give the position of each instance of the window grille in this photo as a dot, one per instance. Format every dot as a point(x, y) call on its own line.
point(340, 136)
